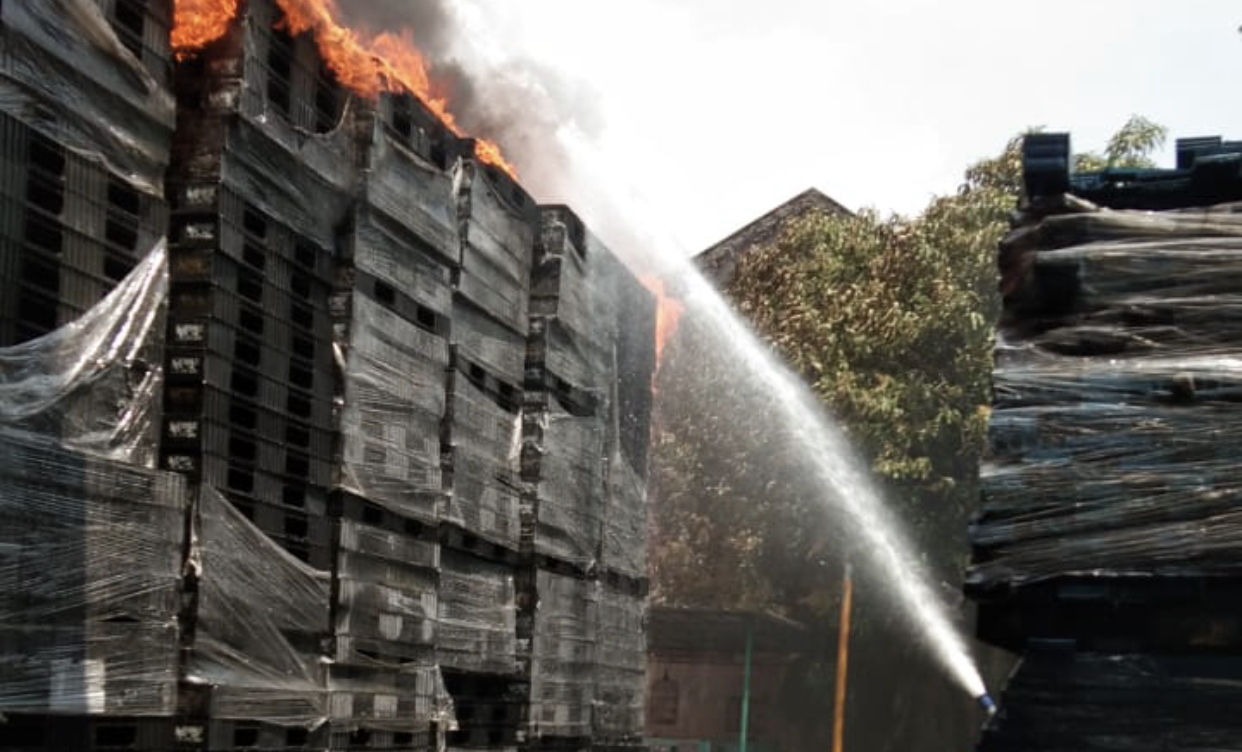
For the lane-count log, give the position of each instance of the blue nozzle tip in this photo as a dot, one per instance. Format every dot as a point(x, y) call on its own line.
point(987, 703)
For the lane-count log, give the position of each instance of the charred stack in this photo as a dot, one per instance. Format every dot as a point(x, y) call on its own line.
point(1107, 526)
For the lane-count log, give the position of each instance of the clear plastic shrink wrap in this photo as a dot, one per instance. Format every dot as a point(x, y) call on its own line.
point(1117, 393)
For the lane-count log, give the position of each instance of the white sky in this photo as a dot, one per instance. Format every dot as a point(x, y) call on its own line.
point(715, 111)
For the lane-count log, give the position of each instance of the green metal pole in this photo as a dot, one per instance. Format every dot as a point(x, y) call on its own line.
point(746, 688)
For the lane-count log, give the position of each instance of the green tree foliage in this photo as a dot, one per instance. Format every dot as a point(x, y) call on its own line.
point(889, 320)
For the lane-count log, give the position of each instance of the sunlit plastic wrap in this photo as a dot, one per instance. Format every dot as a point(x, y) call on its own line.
point(1117, 386)
point(65, 70)
point(91, 554)
point(564, 458)
point(486, 487)
point(95, 383)
point(385, 596)
point(1057, 699)
point(393, 378)
point(621, 665)
point(262, 617)
point(497, 221)
point(563, 656)
point(477, 618)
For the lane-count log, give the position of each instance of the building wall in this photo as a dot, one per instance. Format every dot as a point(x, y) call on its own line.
point(708, 697)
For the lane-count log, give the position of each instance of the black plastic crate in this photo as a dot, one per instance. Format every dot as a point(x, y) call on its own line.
point(350, 506)
point(230, 735)
point(267, 313)
point(404, 303)
point(82, 733)
point(363, 739)
point(229, 409)
point(191, 368)
point(242, 460)
point(209, 215)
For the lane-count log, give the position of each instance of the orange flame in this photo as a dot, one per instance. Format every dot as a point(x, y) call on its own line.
point(668, 313)
point(198, 23)
point(366, 64)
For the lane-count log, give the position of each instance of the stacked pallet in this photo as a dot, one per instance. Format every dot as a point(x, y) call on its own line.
point(584, 458)
point(1107, 525)
point(398, 516)
point(84, 141)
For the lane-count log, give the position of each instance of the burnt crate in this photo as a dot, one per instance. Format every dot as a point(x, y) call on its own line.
point(392, 403)
point(563, 638)
point(95, 79)
point(91, 553)
point(70, 230)
point(497, 220)
point(231, 735)
point(482, 431)
point(384, 594)
point(261, 72)
point(490, 710)
point(621, 662)
point(477, 615)
point(564, 442)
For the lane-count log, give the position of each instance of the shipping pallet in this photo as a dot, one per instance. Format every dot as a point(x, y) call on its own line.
point(459, 539)
point(230, 735)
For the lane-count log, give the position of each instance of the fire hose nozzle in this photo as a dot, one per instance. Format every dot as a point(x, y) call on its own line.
point(987, 703)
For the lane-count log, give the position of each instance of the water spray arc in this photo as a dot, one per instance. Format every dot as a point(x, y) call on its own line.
point(848, 491)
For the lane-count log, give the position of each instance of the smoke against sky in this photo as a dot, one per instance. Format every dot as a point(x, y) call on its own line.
point(712, 112)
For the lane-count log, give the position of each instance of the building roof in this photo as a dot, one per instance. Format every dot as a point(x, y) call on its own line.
point(711, 630)
point(719, 261)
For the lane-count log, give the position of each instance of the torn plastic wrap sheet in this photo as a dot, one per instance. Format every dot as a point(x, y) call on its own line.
point(393, 402)
point(95, 383)
point(621, 665)
point(262, 616)
point(477, 616)
point(486, 487)
point(568, 451)
point(91, 555)
point(395, 175)
point(624, 545)
point(1112, 441)
point(563, 655)
point(64, 70)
